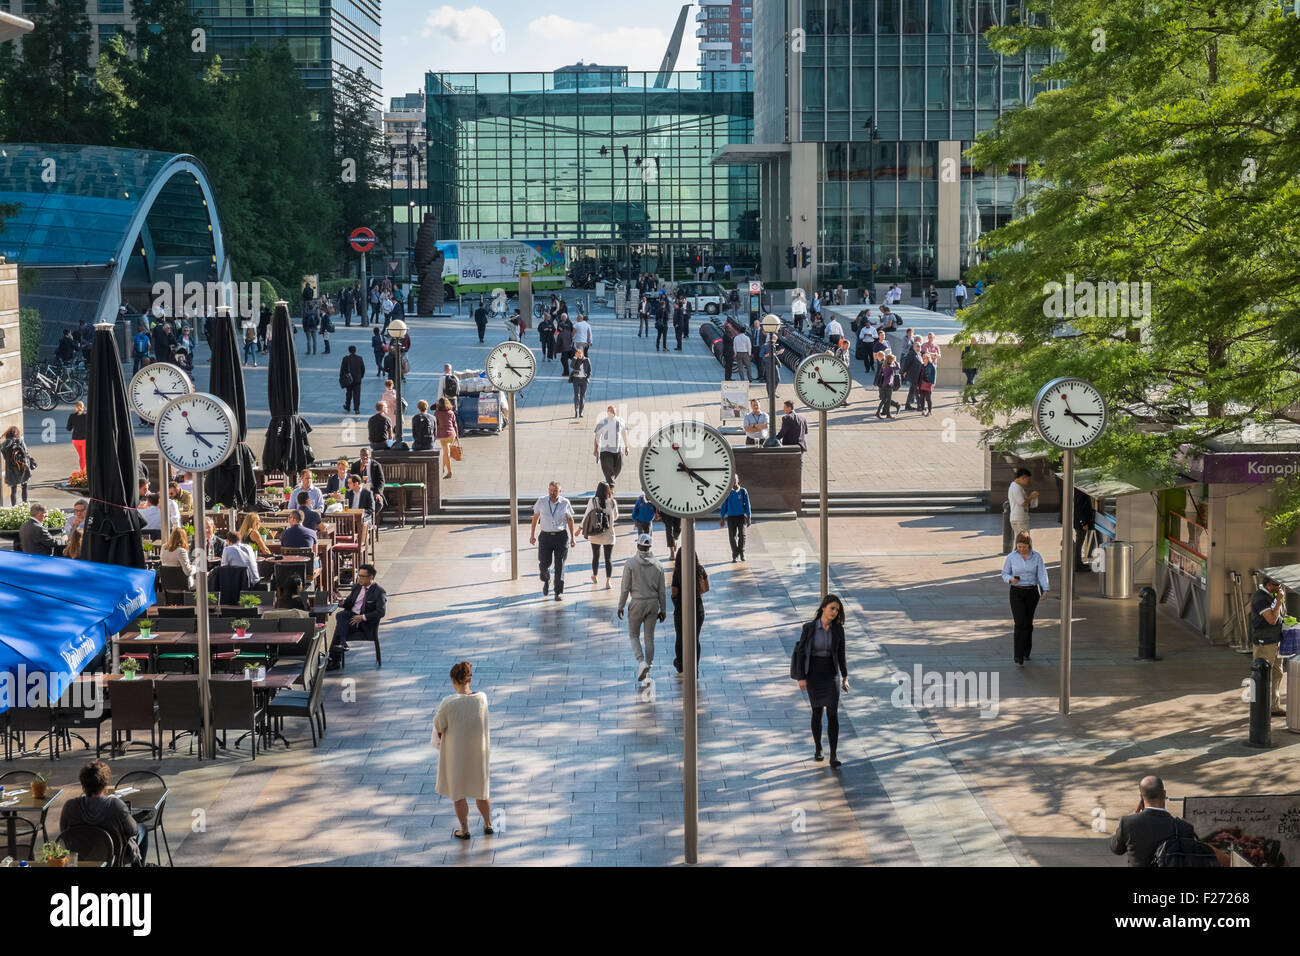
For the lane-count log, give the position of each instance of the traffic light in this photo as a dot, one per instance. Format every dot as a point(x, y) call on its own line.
point(790, 259)
point(805, 256)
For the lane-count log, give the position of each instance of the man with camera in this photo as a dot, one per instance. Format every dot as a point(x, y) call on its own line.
point(1267, 608)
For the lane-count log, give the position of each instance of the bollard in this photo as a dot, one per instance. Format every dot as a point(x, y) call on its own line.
point(1147, 625)
point(1008, 537)
point(1261, 704)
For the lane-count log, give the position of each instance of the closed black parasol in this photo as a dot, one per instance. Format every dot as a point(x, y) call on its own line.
point(112, 533)
point(231, 484)
point(286, 447)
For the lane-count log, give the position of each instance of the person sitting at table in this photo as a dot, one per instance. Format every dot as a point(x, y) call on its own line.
point(176, 554)
point(310, 517)
point(250, 534)
point(95, 808)
point(360, 613)
point(32, 535)
point(78, 519)
point(238, 554)
point(372, 477)
point(305, 486)
point(298, 535)
point(359, 498)
point(213, 540)
point(184, 500)
point(73, 548)
point(338, 482)
point(290, 600)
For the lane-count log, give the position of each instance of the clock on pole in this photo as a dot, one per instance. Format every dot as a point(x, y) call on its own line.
point(196, 432)
point(154, 386)
point(823, 382)
point(510, 367)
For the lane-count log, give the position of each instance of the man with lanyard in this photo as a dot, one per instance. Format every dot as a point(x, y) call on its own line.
point(610, 445)
point(756, 424)
point(555, 515)
point(1267, 608)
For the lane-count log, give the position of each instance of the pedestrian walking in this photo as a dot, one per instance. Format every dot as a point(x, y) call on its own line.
point(580, 376)
point(959, 294)
point(865, 349)
point(821, 668)
point(744, 351)
point(554, 514)
point(379, 347)
point(728, 351)
point(1026, 572)
point(310, 324)
point(598, 528)
point(263, 327)
point(546, 336)
point(1267, 608)
point(799, 309)
point(610, 444)
point(701, 587)
point(564, 344)
point(644, 514)
point(932, 298)
point(481, 320)
point(250, 345)
point(928, 375)
point(681, 319)
point(661, 323)
point(887, 379)
point(672, 533)
point(447, 432)
point(968, 366)
point(582, 334)
point(462, 739)
point(389, 400)
point(910, 366)
point(352, 372)
point(736, 517)
point(1021, 500)
point(643, 317)
point(18, 463)
point(642, 593)
point(77, 425)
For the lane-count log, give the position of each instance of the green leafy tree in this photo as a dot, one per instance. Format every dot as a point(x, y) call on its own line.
point(359, 161)
point(1167, 157)
point(174, 97)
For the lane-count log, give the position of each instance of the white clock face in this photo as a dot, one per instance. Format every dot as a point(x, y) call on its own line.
point(686, 469)
point(822, 382)
point(1070, 413)
point(510, 366)
point(154, 386)
point(196, 432)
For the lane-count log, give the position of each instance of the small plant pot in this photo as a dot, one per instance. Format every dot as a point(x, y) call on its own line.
point(39, 790)
point(144, 633)
point(58, 861)
point(128, 675)
point(241, 632)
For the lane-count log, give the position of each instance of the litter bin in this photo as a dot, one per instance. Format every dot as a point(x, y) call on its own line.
point(1117, 578)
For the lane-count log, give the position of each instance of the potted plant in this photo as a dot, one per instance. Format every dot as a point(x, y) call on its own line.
point(39, 786)
point(249, 601)
point(54, 854)
point(254, 672)
point(213, 597)
point(145, 626)
point(128, 667)
point(241, 626)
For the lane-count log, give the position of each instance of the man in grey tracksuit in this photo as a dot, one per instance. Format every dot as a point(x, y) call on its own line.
point(643, 582)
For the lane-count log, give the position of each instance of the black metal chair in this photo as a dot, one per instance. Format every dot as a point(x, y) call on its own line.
point(91, 843)
point(229, 581)
point(234, 707)
point(25, 720)
point(134, 709)
point(25, 842)
point(173, 582)
point(22, 780)
point(309, 704)
point(68, 718)
point(152, 799)
point(180, 711)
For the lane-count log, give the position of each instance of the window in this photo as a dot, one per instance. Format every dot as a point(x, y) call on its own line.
point(747, 29)
point(888, 16)
point(719, 30)
point(110, 6)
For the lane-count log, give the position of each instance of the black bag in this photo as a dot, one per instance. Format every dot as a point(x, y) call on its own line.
point(796, 660)
point(450, 386)
point(345, 379)
point(861, 351)
point(1181, 851)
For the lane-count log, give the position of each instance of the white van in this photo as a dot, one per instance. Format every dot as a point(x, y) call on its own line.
point(708, 297)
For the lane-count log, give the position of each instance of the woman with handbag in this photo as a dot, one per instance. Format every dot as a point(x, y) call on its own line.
point(818, 664)
point(887, 379)
point(929, 374)
point(598, 528)
point(18, 463)
point(445, 418)
point(701, 587)
point(580, 377)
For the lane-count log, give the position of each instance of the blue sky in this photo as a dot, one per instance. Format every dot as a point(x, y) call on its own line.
point(513, 35)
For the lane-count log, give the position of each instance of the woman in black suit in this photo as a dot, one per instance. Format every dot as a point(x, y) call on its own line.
point(821, 670)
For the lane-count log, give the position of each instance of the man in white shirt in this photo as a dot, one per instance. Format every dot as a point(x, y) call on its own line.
point(1022, 499)
point(555, 515)
point(582, 335)
point(152, 513)
point(744, 353)
point(959, 294)
point(314, 497)
point(237, 554)
point(799, 309)
point(610, 445)
point(756, 424)
point(834, 331)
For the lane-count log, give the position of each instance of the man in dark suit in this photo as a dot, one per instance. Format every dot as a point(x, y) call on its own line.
point(1141, 833)
point(214, 542)
point(338, 482)
point(379, 430)
point(352, 372)
point(32, 535)
point(359, 497)
point(794, 430)
point(360, 613)
point(297, 535)
point(372, 474)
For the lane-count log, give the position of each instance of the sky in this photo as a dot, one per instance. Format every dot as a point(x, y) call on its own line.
point(514, 35)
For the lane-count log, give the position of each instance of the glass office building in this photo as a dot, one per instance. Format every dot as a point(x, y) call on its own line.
point(862, 126)
point(620, 170)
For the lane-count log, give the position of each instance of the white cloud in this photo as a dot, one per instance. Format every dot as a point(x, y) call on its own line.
point(639, 48)
point(554, 27)
point(472, 25)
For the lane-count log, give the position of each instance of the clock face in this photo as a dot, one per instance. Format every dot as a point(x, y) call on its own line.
point(196, 432)
point(822, 381)
point(154, 386)
point(686, 469)
point(510, 366)
point(1070, 413)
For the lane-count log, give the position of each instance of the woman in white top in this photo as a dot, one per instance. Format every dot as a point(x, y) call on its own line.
point(460, 735)
point(176, 553)
point(601, 537)
point(798, 309)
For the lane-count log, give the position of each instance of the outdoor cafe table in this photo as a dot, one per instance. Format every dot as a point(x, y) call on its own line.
point(188, 639)
point(11, 806)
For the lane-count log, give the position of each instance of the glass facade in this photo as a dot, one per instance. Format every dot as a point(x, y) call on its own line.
point(518, 155)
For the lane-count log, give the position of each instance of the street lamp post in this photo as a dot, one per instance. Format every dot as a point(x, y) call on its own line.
point(771, 326)
point(397, 343)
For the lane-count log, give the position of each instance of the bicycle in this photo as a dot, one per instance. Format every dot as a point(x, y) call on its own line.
point(63, 380)
point(37, 392)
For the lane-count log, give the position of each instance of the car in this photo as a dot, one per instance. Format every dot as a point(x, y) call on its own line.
point(709, 297)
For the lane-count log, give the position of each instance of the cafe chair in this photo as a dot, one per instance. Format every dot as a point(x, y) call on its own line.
point(234, 707)
point(25, 720)
point(173, 583)
point(22, 843)
point(68, 719)
point(91, 843)
point(228, 581)
point(151, 799)
point(309, 704)
point(180, 712)
point(134, 709)
point(22, 780)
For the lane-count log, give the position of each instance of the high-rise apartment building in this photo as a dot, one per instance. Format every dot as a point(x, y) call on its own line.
point(725, 31)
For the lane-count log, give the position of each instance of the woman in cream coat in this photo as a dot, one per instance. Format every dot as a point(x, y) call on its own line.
point(460, 734)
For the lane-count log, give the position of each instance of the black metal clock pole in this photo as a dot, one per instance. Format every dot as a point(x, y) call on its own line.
point(1067, 574)
point(822, 522)
point(201, 612)
point(690, 776)
point(514, 489)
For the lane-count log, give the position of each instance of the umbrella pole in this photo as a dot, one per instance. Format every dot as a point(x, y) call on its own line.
point(164, 512)
point(201, 615)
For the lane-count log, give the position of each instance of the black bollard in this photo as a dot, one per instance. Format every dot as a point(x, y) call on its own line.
point(1008, 536)
point(1147, 625)
point(1261, 703)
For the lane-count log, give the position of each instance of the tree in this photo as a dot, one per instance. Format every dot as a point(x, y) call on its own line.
point(173, 93)
point(359, 159)
point(1166, 158)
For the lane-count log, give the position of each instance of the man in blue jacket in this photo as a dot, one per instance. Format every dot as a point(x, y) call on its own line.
point(736, 516)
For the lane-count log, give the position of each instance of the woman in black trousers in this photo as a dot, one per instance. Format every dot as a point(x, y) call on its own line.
point(819, 666)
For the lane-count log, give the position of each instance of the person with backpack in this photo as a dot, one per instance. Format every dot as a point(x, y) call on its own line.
point(140, 350)
point(422, 427)
point(736, 517)
point(450, 386)
point(644, 514)
point(1152, 836)
point(309, 326)
point(642, 593)
point(18, 463)
point(1267, 608)
point(701, 588)
point(598, 528)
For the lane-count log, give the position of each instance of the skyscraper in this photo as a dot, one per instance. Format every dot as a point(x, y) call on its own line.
point(725, 33)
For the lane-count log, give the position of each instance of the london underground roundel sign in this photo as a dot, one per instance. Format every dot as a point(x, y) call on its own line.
point(362, 239)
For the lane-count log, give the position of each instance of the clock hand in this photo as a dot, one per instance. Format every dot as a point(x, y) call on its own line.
point(200, 437)
point(685, 467)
